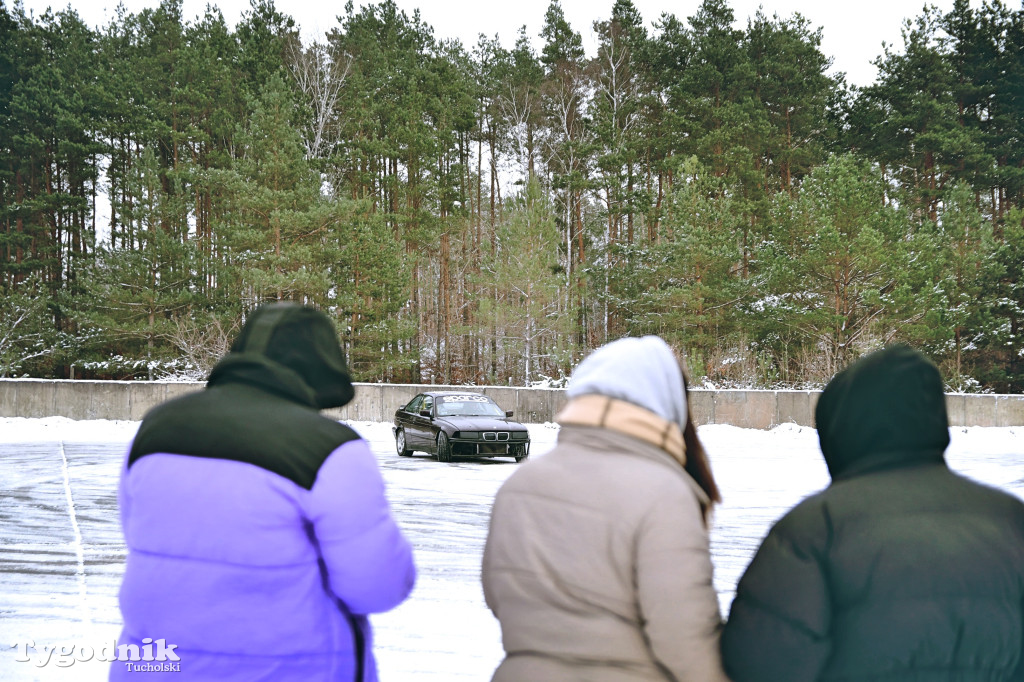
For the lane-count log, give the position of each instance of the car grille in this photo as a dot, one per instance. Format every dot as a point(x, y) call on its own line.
point(495, 435)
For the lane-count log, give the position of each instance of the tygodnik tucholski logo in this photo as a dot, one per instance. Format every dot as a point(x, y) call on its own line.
point(153, 655)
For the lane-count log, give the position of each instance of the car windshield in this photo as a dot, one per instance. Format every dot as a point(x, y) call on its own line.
point(468, 406)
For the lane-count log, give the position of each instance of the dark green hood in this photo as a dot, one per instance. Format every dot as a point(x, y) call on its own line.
point(886, 410)
point(292, 351)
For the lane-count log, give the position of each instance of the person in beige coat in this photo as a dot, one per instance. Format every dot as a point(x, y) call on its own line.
point(597, 562)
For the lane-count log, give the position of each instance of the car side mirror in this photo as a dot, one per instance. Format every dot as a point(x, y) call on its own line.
point(508, 413)
point(424, 413)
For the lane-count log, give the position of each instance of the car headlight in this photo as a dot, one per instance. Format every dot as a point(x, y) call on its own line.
point(467, 435)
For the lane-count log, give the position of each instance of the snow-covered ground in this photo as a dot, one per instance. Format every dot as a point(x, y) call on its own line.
point(61, 551)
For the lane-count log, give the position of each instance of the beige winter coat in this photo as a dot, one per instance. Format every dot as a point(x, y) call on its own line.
point(597, 562)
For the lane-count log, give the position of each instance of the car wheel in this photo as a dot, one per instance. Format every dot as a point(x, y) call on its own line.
point(403, 451)
point(519, 452)
point(444, 448)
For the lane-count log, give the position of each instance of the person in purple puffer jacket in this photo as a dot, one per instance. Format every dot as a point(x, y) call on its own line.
point(259, 535)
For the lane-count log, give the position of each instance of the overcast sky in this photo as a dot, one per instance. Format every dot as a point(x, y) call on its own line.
point(853, 31)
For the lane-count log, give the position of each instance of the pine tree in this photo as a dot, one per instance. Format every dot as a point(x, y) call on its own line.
point(27, 335)
point(369, 280)
point(273, 236)
point(616, 115)
point(567, 148)
point(792, 85)
point(831, 261)
point(391, 146)
point(710, 94)
point(684, 284)
point(912, 117)
point(131, 296)
point(264, 35)
point(525, 267)
point(1001, 365)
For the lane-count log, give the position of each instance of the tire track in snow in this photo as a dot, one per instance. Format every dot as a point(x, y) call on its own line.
point(79, 546)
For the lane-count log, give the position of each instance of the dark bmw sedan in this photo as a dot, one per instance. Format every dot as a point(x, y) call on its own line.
point(459, 424)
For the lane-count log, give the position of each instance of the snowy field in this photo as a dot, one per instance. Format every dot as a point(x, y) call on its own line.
point(61, 551)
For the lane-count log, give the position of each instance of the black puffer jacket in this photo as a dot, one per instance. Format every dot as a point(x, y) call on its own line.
point(900, 569)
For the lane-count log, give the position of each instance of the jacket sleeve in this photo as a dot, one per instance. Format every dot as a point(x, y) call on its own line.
point(1019, 675)
point(678, 603)
point(779, 623)
point(124, 501)
point(368, 561)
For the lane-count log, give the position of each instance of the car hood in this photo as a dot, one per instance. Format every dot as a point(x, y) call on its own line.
point(482, 423)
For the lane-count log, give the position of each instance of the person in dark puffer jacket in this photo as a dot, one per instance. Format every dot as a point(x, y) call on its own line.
point(258, 532)
point(900, 570)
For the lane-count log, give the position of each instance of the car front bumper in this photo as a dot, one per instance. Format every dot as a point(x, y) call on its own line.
point(480, 448)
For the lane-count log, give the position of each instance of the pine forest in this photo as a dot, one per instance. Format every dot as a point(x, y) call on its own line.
point(474, 214)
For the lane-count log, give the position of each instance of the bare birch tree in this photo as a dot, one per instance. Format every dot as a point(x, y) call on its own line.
point(320, 76)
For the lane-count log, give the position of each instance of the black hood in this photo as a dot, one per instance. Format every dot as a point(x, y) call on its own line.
point(886, 410)
point(290, 350)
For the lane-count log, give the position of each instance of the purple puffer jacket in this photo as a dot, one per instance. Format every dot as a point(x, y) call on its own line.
point(256, 578)
point(259, 535)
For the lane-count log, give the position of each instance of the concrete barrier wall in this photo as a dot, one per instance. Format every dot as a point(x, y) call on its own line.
point(377, 402)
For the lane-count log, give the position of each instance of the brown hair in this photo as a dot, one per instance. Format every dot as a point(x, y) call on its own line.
point(697, 464)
